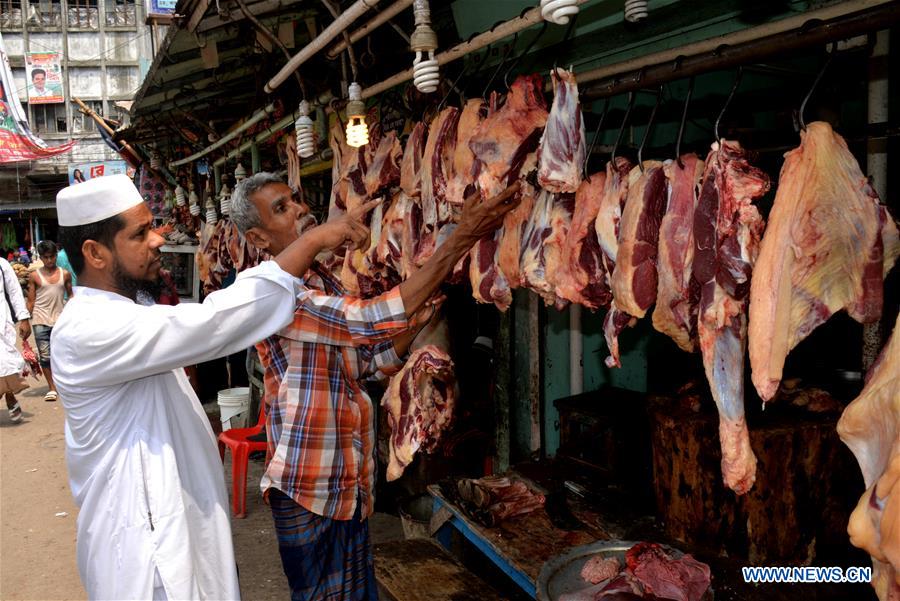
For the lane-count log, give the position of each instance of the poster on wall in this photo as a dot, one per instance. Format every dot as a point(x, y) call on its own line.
point(17, 141)
point(44, 78)
point(81, 172)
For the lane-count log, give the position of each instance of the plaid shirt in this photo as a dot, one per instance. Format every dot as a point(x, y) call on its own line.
point(320, 427)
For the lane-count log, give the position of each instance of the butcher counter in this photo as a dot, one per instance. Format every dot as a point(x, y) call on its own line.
point(519, 546)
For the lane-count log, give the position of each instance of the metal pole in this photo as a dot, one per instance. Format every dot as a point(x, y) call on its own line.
point(877, 164)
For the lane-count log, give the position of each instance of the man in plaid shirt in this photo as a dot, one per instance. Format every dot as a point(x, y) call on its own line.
point(320, 426)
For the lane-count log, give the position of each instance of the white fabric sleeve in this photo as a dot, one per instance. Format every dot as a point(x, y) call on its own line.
point(14, 290)
point(137, 341)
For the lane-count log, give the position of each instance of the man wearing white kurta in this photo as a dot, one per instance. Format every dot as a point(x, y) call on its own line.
point(142, 458)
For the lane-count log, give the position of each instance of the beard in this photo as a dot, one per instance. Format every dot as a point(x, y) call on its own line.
point(131, 286)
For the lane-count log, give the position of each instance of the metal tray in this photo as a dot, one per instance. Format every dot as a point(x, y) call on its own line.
point(562, 574)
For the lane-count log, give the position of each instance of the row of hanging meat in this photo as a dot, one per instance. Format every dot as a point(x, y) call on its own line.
point(683, 235)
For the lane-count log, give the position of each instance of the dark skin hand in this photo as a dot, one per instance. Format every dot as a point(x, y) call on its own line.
point(479, 218)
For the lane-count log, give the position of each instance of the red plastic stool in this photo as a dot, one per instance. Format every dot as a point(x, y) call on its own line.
point(236, 440)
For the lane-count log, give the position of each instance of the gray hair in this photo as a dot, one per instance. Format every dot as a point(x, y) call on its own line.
point(243, 212)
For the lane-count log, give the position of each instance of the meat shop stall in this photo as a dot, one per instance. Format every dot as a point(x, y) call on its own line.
point(675, 364)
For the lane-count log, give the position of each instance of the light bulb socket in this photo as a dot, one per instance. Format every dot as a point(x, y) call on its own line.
point(423, 39)
point(356, 109)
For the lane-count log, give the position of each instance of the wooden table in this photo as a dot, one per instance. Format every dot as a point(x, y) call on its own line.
point(521, 545)
point(420, 570)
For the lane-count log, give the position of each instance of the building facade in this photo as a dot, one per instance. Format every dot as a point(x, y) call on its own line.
point(103, 49)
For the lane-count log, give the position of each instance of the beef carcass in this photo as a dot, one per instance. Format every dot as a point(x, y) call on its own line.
point(542, 251)
point(677, 293)
point(609, 214)
point(390, 248)
point(633, 279)
point(507, 135)
point(727, 229)
point(437, 165)
point(562, 145)
point(384, 171)
point(582, 277)
point(419, 403)
point(512, 231)
point(828, 245)
point(502, 145)
point(870, 426)
point(465, 166)
point(341, 154)
point(411, 163)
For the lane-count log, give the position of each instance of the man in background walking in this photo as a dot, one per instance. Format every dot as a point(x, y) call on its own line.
point(11, 361)
point(47, 288)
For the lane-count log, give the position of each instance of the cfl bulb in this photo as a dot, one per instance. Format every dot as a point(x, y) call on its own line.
point(239, 172)
point(195, 210)
point(225, 200)
point(635, 10)
point(558, 11)
point(303, 126)
point(211, 217)
point(426, 74)
point(193, 198)
point(179, 196)
point(357, 131)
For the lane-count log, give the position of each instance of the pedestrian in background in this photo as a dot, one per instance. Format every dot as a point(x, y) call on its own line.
point(47, 289)
point(11, 361)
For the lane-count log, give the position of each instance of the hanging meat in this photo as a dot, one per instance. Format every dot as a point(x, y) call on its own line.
point(419, 403)
point(512, 232)
point(384, 171)
point(341, 156)
point(678, 294)
point(633, 280)
point(727, 229)
point(609, 214)
point(411, 163)
point(562, 145)
point(582, 276)
point(504, 143)
point(542, 251)
point(506, 136)
point(828, 246)
point(870, 426)
point(437, 166)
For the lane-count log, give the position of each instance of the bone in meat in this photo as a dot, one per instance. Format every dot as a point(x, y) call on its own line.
point(727, 229)
point(582, 277)
point(562, 146)
point(545, 235)
point(828, 245)
point(633, 280)
point(419, 403)
point(677, 293)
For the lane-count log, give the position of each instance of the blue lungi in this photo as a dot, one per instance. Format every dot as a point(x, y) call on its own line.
point(323, 559)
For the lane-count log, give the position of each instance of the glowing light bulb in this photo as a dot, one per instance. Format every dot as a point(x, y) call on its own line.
point(558, 11)
point(303, 127)
point(357, 130)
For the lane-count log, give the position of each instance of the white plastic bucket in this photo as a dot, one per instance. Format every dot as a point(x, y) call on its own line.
point(234, 407)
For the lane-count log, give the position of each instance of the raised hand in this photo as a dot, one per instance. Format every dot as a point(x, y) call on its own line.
point(482, 217)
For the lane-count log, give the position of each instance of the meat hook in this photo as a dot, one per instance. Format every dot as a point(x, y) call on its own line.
point(737, 82)
point(479, 61)
point(453, 87)
point(631, 96)
point(590, 151)
point(569, 30)
point(816, 83)
point(687, 101)
point(647, 131)
point(524, 52)
point(507, 51)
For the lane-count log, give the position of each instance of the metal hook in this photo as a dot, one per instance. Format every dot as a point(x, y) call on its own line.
point(649, 128)
point(590, 151)
point(526, 51)
point(566, 36)
point(507, 51)
point(479, 61)
point(737, 82)
point(453, 87)
point(687, 101)
point(816, 83)
point(631, 96)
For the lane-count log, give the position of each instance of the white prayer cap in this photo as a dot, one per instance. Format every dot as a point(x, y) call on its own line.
point(96, 199)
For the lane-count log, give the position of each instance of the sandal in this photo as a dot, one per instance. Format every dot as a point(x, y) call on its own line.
point(51, 396)
point(15, 414)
